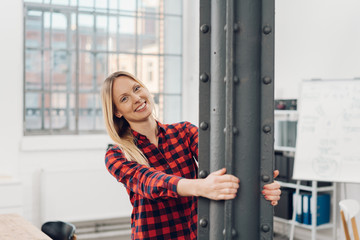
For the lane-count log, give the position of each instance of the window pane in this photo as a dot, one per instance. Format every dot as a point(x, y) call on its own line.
point(60, 108)
point(148, 35)
point(33, 114)
point(128, 5)
point(60, 2)
point(127, 32)
point(101, 4)
point(61, 71)
point(113, 63)
point(33, 29)
point(99, 120)
point(112, 41)
point(152, 6)
point(86, 3)
point(47, 59)
point(86, 73)
point(173, 7)
point(101, 33)
point(148, 72)
point(172, 75)
point(127, 63)
point(86, 29)
point(101, 71)
point(172, 32)
point(33, 69)
point(172, 108)
point(86, 112)
point(47, 25)
point(59, 30)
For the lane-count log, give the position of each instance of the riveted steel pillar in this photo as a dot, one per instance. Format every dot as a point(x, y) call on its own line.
point(236, 114)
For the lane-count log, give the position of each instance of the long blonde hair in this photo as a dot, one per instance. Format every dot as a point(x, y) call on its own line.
point(118, 128)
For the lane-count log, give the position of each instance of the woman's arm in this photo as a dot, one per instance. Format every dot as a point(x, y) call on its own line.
point(146, 181)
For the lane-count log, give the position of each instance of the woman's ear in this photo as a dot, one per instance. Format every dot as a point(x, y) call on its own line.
point(118, 114)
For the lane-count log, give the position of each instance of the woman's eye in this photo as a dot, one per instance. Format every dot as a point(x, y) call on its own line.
point(123, 99)
point(136, 88)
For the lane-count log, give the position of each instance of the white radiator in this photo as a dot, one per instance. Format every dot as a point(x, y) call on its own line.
point(91, 199)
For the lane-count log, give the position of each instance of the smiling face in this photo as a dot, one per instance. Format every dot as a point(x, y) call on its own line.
point(132, 100)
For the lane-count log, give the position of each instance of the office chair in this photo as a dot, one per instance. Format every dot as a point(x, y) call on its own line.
point(348, 210)
point(59, 230)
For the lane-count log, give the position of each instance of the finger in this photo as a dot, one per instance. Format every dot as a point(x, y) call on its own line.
point(225, 185)
point(272, 198)
point(228, 178)
point(219, 172)
point(274, 185)
point(225, 197)
point(276, 192)
point(274, 203)
point(276, 173)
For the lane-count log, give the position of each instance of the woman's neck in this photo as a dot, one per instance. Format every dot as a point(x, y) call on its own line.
point(147, 128)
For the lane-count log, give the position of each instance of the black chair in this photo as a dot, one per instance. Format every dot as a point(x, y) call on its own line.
point(59, 230)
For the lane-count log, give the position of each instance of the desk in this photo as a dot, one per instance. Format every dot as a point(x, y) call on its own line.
point(13, 226)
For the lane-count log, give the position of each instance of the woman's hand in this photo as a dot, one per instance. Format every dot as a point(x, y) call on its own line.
point(216, 186)
point(219, 186)
point(272, 191)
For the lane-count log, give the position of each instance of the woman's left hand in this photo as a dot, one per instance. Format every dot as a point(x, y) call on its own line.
point(272, 191)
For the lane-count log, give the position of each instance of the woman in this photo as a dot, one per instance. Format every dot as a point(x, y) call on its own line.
point(156, 164)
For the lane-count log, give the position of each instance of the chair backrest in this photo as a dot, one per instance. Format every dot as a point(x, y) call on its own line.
point(348, 209)
point(59, 230)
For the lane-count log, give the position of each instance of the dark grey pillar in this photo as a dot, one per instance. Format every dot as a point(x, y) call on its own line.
point(236, 115)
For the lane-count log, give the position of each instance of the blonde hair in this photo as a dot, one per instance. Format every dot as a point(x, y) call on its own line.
point(118, 128)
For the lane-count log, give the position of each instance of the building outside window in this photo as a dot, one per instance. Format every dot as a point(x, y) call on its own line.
point(72, 45)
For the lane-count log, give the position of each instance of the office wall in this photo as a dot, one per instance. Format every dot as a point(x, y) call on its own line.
point(315, 39)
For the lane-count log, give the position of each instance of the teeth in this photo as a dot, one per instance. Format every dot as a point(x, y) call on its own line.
point(141, 107)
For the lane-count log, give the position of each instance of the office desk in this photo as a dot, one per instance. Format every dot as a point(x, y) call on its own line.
point(13, 226)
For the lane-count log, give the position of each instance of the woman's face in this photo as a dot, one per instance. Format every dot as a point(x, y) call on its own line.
point(132, 101)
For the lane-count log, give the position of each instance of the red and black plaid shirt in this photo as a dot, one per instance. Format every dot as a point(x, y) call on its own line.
point(158, 211)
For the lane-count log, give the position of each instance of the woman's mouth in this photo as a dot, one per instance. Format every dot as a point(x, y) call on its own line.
point(141, 107)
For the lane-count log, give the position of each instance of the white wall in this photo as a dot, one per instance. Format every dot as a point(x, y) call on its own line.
point(315, 39)
point(190, 108)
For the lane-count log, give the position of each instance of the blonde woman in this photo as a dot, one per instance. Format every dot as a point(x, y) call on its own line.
point(156, 163)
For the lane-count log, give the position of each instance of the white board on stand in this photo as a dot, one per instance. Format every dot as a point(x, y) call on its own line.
point(328, 135)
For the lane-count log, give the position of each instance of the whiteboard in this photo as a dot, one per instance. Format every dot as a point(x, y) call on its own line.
point(328, 140)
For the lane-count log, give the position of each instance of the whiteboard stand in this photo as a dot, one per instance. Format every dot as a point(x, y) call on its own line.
point(313, 227)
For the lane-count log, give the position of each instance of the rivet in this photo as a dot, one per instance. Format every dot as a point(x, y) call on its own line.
point(204, 28)
point(233, 232)
point(236, 27)
point(265, 228)
point(267, 80)
point(204, 125)
point(235, 131)
point(236, 79)
point(203, 174)
point(267, 29)
point(203, 222)
point(266, 128)
point(265, 178)
point(204, 77)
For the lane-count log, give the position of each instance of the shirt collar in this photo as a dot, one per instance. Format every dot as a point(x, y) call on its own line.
point(139, 136)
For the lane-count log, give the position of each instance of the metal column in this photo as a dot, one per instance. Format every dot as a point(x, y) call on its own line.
point(236, 114)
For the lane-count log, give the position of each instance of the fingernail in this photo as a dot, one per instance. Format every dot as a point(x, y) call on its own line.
point(263, 192)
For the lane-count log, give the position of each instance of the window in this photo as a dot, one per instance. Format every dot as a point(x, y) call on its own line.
point(72, 45)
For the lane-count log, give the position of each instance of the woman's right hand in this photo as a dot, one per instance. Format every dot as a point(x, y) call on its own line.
point(217, 186)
